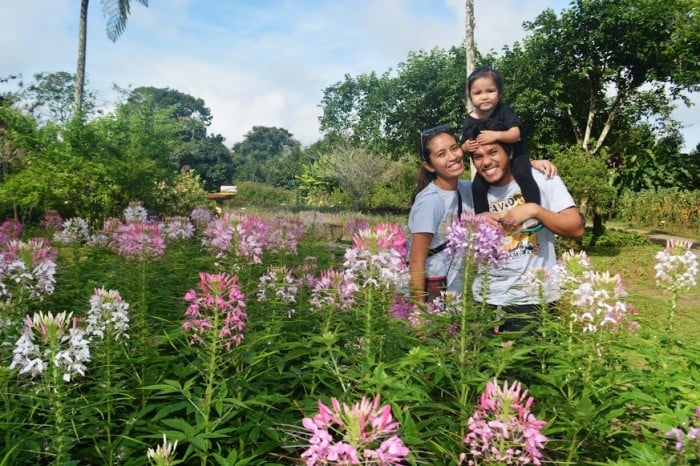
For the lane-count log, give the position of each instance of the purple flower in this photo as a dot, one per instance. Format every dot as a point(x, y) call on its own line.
point(677, 266)
point(252, 237)
point(201, 217)
point(473, 237)
point(218, 237)
point(216, 306)
point(10, 229)
point(108, 312)
point(51, 222)
point(333, 289)
point(73, 231)
point(502, 429)
point(281, 285)
point(597, 303)
point(284, 235)
point(138, 240)
point(51, 340)
point(692, 436)
point(178, 228)
point(27, 269)
point(135, 213)
point(378, 257)
point(362, 433)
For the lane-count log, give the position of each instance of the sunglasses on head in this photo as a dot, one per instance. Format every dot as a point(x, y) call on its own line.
point(429, 133)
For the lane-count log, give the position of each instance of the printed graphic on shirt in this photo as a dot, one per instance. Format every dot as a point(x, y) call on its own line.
point(518, 244)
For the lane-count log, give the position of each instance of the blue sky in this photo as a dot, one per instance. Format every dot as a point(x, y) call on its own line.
point(256, 62)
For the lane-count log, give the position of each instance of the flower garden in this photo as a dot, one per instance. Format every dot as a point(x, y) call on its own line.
point(247, 339)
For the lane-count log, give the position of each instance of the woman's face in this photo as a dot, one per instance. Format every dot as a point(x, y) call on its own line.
point(446, 157)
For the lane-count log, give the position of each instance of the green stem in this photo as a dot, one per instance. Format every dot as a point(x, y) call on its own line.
point(108, 390)
point(368, 325)
point(210, 374)
point(672, 311)
point(56, 407)
point(463, 350)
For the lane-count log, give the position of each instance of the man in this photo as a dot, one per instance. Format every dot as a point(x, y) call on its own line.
point(528, 247)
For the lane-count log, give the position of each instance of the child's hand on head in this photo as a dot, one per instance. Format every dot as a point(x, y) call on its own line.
point(470, 145)
point(487, 137)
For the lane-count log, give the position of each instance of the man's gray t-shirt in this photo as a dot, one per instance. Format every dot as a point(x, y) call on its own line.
point(434, 210)
point(525, 250)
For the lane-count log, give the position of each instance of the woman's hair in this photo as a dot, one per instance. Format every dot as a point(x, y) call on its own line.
point(485, 72)
point(425, 176)
point(490, 124)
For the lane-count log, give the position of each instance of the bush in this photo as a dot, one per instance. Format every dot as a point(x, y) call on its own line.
point(664, 208)
point(262, 195)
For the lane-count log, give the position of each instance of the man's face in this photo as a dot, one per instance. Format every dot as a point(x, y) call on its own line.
point(493, 163)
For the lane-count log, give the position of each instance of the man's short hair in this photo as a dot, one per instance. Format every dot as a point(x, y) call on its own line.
point(489, 124)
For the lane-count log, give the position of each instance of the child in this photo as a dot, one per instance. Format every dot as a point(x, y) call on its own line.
point(485, 87)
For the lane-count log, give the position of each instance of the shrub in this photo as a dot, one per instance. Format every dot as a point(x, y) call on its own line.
point(663, 208)
point(262, 195)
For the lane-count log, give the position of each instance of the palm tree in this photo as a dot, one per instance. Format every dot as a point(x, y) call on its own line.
point(116, 12)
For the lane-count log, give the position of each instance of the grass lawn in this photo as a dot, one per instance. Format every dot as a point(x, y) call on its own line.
point(635, 264)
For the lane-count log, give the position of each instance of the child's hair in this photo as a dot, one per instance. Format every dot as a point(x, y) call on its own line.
point(425, 176)
point(490, 124)
point(485, 72)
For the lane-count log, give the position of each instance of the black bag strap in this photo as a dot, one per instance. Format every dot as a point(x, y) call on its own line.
point(437, 249)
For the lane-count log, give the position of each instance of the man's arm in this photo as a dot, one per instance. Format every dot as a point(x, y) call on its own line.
point(567, 223)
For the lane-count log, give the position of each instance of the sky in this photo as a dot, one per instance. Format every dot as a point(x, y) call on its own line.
point(257, 62)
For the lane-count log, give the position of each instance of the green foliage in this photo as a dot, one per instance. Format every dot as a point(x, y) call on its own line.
point(251, 194)
point(395, 194)
point(577, 76)
point(18, 135)
point(587, 177)
point(49, 97)
point(179, 198)
point(210, 158)
point(668, 208)
point(385, 113)
point(267, 155)
point(608, 398)
point(353, 170)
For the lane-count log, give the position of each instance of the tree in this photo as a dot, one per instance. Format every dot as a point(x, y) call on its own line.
point(385, 113)
point(50, 97)
point(351, 170)
point(580, 71)
point(256, 157)
point(188, 119)
point(116, 12)
point(469, 47)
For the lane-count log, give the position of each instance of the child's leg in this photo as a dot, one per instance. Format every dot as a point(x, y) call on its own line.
point(522, 172)
point(479, 190)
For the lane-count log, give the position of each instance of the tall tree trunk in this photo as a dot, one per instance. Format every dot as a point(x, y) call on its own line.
point(469, 48)
point(80, 72)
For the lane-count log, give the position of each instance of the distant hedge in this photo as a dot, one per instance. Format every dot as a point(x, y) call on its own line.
point(663, 208)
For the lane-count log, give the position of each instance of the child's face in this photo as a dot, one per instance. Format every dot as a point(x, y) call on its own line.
point(446, 157)
point(484, 94)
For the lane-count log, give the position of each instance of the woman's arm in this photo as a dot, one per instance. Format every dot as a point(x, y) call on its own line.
point(420, 244)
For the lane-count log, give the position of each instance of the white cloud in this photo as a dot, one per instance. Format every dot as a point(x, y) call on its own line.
point(253, 63)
